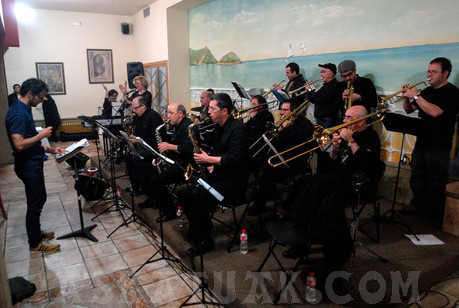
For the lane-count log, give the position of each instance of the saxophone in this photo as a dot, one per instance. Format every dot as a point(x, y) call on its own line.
point(157, 162)
point(189, 170)
point(128, 124)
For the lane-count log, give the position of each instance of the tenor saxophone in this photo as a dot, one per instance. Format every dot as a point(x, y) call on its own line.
point(157, 162)
point(127, 125)
point(202, 169)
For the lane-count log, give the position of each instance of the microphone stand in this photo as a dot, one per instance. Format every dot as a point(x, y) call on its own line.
point(163, 251)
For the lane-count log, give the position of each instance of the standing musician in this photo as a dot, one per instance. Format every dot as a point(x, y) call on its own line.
point(141, 86)
point(296, 80)
point(290, 133)
point(227, 166)
point(180, 150)
point(437, 106)
point(363, 90)
point(204, 98)
point(145, 122)
point(326, 111)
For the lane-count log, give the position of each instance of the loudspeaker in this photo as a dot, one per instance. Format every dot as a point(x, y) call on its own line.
point(126, 28)
point(134, 69)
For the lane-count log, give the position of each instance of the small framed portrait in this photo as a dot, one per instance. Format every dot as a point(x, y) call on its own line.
point(100, 65)
point(53, 74)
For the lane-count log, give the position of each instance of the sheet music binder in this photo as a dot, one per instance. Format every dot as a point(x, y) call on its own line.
point(73, 149)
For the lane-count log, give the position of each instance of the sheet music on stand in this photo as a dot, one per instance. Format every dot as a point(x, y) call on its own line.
point(129, 143)
point(240, 90)
point(72, 150)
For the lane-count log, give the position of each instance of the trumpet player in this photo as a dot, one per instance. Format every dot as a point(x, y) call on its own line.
point(326, 111)
point(437, 106)
point(363, 90)
point(295, 81)
point(145, 122)
point(180, 150)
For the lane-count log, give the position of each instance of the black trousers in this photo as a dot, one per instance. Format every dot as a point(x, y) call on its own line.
point(31, 173)
point(140, 170)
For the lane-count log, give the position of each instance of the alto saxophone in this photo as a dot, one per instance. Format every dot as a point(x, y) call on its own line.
point(197, 149)
point(157, 162)
point(128, 125)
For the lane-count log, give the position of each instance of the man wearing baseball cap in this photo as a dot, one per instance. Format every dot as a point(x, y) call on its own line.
point(364, 90)
point(325, 107)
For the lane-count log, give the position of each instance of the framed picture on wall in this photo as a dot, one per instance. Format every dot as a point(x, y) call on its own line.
point(100, 65)
point(53, 74)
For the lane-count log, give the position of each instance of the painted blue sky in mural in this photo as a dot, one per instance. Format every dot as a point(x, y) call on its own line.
point(255, 29)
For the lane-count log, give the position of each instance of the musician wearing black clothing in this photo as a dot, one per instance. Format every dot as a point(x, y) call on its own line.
point(319, 205)
point(110, 97)
point(145, 122)
point(295, 81)
point(326, 111)
point(141, 86)
point(180, 150)
point(364, 93)
point(292, 132)
point(438, 107)
point(227, 173)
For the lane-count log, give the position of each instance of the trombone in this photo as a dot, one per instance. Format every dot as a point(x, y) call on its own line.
point(391, 98)
point(273, 128)
point(281, 84)
point(313, 85)
point(238, 113)
point(322, 137)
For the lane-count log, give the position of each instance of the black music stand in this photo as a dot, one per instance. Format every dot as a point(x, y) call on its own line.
point(404, 125)
point(240, 91)
point(83, 231)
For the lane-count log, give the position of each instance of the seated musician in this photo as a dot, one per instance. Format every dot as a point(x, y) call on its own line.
point(180, 150)
point(294, 130)
point(145, 122)
point(320, 200)
point(110, 97)
point(364, 91)
point(256, 126)
point(227, 173)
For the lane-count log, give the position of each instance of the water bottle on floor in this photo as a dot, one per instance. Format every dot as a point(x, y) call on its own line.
point(179, 217)
point(312, 295)
point(244, 247)
point(118, 196)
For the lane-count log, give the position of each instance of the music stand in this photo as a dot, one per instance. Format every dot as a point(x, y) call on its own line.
point(240, 91)
point(83, 231)
point(404, 125)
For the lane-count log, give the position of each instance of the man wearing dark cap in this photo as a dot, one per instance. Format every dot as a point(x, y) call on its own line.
point(364, 93)
point(325, 108)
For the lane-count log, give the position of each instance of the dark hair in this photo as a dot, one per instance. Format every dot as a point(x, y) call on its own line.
point(16, 84)
point(445, 64)
point(223, 101)
point(211, 91)
point(142, 101)
point(293, 67)
point(261, 100)
point(181, 108)
point(34, 85)
point(112, 92)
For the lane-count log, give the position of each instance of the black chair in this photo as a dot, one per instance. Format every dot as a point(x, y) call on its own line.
point(287, 234)
point(236, 224)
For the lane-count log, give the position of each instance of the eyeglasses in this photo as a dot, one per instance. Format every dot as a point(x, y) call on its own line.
point(135, 108)
point(171, 112)
point(214, 108)
point(40, 97)
point(433, 72)
point(347, 74)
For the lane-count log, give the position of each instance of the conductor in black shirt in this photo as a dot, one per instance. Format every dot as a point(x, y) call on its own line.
point(227, 173)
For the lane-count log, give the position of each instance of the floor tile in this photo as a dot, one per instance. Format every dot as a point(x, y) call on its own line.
point(66, 275)
point(63, 258)
point(72, 288)
point(131, 242)
point(25, 267)
point(158, 274)
point(139, 256)
point(167, 290)
point(99, 250)
point(105, 265)
point(39, 280)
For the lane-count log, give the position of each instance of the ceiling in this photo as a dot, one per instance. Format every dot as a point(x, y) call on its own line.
point(114, 7)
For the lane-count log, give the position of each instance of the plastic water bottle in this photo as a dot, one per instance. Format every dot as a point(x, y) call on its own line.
point(244, 247)
point(118, 196)
point(179, 217)
point(312, 295)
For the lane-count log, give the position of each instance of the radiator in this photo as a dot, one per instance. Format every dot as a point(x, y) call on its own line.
point(74, 127)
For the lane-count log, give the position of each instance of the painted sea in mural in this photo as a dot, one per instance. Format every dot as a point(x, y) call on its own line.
point(389, 68)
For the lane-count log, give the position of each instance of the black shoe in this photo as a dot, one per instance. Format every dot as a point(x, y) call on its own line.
point(134, 191)
point(165, 217)
point(410, 210)
point(195, 251)
point(291, 253)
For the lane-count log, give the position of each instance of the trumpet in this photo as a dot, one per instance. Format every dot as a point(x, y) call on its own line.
point(391, 98)
point(308, 87)
point(238, 114)
point(281, 84)
point(321, 136)
point(348, 101)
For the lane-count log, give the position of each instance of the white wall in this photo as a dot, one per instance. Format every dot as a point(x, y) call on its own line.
point(52, 38)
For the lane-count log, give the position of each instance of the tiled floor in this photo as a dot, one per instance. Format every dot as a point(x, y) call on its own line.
point(85, 273)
